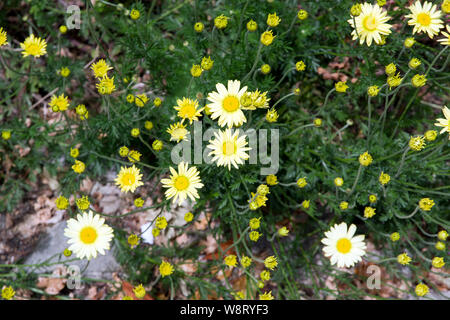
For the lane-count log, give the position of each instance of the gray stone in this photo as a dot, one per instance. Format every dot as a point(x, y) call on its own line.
point(54, 242)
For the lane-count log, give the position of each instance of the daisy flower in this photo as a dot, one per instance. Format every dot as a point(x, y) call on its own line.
point(267, 38)
point(177, 132)
point(370, 24)
point(196, 70)
point(182, 184)
point(342, 247)
point(425, 18)
point(129, 179)
point(88, 235)
point(8, 293)
point(100, 68)
point(165, 269)
point(3, 37)
point(79, 166)
point(266, 296)
point(33, 46)
point(141, 100)
point(445, 123)
point(273, 20)
point(421, 289)
point(445, 41)
point(221, 21)
point(225, 104)
point(59, 103)
point(187, 109)
point(228, 149)
point(106, 85)
point(199, 26)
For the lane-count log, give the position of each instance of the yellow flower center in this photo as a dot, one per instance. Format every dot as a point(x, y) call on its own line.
point(128, 179)
point(229, 148)
point(187, 110)
point(230, 103)
point(61, 102)
point(100, 71)
point(88, 235)
point(33, 49)
point(181, 183)
point(370, 23)
point(424, 19)
point(179, 133)
point(343, 245)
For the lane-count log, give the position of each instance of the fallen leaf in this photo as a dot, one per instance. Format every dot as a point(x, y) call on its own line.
point(215, 255)
point(53, 285)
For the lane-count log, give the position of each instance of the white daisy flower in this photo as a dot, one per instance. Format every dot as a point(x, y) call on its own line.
point(226, 104)
point(342, 247)
point(425, 18)
point(228, 149)
point(370, 24)
point(88, 235)
point(182, 184)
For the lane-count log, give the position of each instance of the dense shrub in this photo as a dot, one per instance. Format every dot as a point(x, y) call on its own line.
point(335, 99)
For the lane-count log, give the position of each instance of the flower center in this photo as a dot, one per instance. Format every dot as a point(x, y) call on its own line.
point(229, 148)
point(188, 110)
point(128, 179)
point(181, 183)
point(88, 235)
point(343, 245)
point(424, 19)
point(179, 132)
point(61, 103)
point(33, 49)
point(370, 23)
point(230, 103)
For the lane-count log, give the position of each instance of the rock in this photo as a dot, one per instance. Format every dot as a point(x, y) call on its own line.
point(53, 242)
point(146, 233)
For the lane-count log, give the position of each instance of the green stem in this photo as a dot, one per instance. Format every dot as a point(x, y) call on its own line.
point(282, 78)
point(402, 162)
point(435, 59)
point(240, 22)
point(297, 129)
point(356, 179)
point(290, 26)
point(281, 99)
point(368, 123)
point(325, 102)
point(258, 54)
point(408, 216)
point(416, 91)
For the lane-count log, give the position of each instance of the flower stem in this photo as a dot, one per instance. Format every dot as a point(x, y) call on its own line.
point(408, 216)
point(281, 99)
point(258, 54)
point(325, 102)
point(301, 127)
point(290, 26)
point(356, 179)
point(240, 22)
point(368, 123)
point(402, 162)
point(416, 91)
point(282, 78)
point(435, 59)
